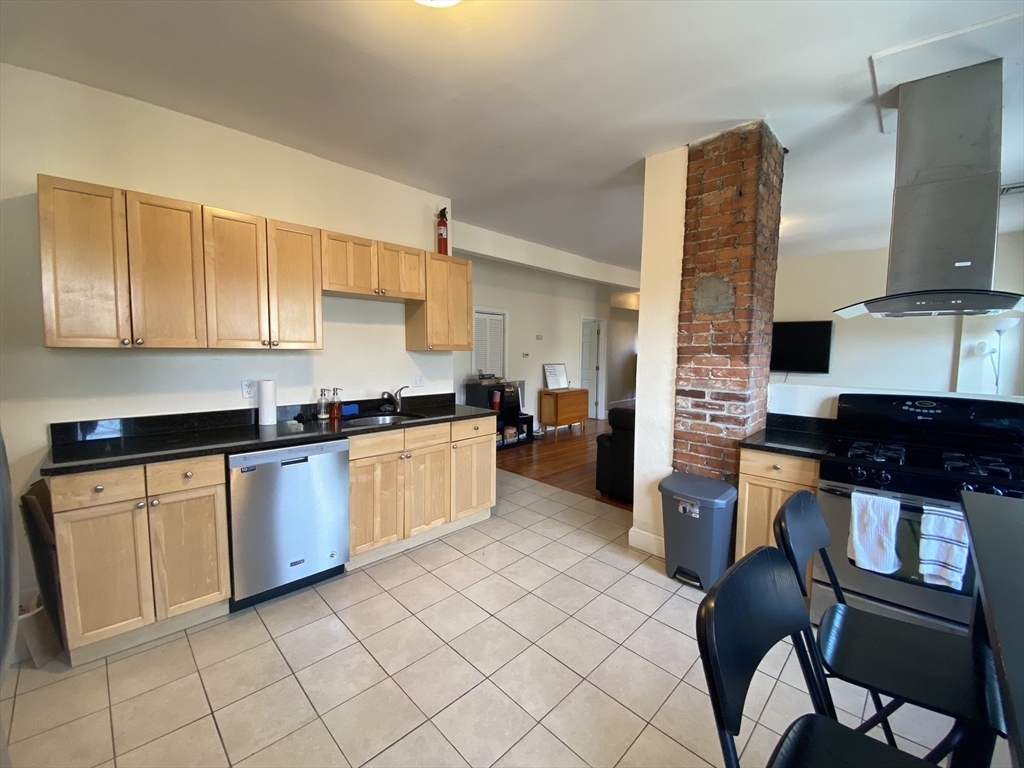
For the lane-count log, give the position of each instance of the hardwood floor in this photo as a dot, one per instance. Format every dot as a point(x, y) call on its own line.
point(570, 464)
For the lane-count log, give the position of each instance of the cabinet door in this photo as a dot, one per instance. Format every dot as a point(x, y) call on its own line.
point(376, 501)
point(188, 533)
point(437, 306)
point(349, 264)
point(427, 488)
point(84, 252)
point(401, 271)
point(473, 475)
point(165, 254)
point(235, 247)
point(460, 304)
point(293, 258)
point(759, 500)
point(105, 579)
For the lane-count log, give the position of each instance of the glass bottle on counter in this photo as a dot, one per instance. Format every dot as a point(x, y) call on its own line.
point(335, 405)
point(322, 412)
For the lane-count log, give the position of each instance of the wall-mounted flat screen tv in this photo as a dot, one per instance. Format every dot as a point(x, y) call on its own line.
point(801, 347)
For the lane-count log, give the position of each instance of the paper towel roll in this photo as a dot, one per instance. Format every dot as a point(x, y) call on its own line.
point(266, 396)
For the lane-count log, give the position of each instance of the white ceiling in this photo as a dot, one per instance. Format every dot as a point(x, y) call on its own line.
point(534, 117)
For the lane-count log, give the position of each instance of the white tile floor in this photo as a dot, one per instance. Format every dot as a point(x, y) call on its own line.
point(536, 638)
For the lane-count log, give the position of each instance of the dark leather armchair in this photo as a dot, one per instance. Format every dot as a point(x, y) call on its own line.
point(615, 456)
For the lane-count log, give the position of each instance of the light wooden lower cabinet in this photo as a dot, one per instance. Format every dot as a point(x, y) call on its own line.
point(473, 475)
point(188, 533)
point(766, 480)
point(376, 501)
point(427, 489)
point(105, 577)
point(142, 559)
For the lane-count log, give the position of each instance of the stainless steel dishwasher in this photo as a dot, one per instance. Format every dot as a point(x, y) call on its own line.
point(289, 515)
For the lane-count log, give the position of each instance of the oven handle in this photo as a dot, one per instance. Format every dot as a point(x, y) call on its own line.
point(907, 510)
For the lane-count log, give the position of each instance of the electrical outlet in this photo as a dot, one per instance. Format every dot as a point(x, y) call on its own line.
point(526, 354)
point(248, 389)
point(418, 380)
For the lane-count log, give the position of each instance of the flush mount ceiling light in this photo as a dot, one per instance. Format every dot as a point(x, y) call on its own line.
point(438, 3)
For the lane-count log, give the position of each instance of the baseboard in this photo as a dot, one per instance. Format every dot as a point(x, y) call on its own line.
point(651, 543)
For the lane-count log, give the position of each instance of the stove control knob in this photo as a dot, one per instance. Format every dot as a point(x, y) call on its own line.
point(881, 476)
point(997, 491)
point(858, 473)
point(966, 487)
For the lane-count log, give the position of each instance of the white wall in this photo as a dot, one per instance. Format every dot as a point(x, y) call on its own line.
point(53, 126)
point(928, 354)
point(538, 304)
point(661, 264)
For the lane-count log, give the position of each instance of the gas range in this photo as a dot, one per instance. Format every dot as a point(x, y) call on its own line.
point(927, 447)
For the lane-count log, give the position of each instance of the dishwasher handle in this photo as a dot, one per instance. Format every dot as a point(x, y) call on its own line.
point(291, 455)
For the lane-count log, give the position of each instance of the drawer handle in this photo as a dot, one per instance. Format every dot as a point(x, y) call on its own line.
point(188, 475)
point(155, 503)
point(98, 489)
point(141, 505)
point(776, 467)
point(477, 427)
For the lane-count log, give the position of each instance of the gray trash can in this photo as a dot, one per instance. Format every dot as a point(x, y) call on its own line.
point(698, 513)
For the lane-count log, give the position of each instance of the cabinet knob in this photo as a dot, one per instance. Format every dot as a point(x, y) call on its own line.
point(266, 343)
point(383, 291)
point(125, 342)
point(476, 428)
point(430, 346)
point(776, 467)
point(275, 342)
point(455, 445)
point(155, 503)
point(377, 291)
point(139, 342)
point(141, 505)
point(98, 489)
point(188, 475)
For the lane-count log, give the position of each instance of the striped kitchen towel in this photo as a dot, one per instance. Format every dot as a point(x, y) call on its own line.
point(943, 546)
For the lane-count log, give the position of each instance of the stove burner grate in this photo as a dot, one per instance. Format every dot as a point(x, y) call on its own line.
point(880, 452)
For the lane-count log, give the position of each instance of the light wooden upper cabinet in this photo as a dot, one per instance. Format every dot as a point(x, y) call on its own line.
point(473, 475)
point(83, 246)
point(188, 533)
point(294, 277)
point(401, 271)
point(349, 264)
point(376, 501)
point(237, 299)
point(165, 256)
point(105, 578)
point(427, 488)
point(444, 320)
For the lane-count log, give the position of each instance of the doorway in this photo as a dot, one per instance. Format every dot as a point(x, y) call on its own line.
point(592, 364)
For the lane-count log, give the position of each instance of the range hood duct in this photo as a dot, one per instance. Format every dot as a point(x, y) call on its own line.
point(945, 207)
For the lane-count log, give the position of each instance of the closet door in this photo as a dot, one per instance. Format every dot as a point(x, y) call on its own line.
point(293, 261)
point(83, 245)
point(165, 254)
point(237, 312)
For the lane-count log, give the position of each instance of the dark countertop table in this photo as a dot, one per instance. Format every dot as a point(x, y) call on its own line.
point(791, 442)
point(89, 455)
point(996, 525)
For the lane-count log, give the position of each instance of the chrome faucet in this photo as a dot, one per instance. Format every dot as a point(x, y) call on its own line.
point(394, 399)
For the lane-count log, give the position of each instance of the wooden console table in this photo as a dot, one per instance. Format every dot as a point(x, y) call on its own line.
point(563, 408)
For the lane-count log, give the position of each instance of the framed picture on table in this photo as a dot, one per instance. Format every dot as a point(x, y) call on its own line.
point(555, 376)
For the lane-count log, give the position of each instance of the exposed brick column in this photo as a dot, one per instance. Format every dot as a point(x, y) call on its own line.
point(730, 252)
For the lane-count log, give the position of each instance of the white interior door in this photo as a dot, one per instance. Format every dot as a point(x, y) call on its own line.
point(590, 356)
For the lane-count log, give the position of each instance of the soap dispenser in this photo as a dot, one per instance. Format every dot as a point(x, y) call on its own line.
point(335, 406)
point(322, 411)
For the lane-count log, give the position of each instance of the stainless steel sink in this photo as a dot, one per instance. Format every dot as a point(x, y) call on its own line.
point(376, 421)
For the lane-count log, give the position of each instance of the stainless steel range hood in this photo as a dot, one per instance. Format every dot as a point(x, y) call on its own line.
point(945, 207)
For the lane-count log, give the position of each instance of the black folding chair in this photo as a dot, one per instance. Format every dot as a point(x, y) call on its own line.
point(756, 604)
point(932, 668)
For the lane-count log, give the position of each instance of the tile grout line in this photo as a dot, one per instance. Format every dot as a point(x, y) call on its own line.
point(206, 693)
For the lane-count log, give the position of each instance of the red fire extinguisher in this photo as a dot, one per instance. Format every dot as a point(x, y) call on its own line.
point(442, 232)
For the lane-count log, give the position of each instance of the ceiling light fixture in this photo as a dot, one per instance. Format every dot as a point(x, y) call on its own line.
point(438, 3)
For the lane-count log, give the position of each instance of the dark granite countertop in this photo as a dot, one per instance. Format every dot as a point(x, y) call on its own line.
point(200, 437)
point(806, 437)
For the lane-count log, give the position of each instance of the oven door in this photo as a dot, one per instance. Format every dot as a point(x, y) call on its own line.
point(906, 587)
